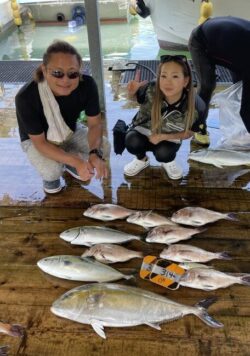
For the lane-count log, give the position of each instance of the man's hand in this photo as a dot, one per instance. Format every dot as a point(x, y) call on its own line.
point(85, 170)
point(99, 165)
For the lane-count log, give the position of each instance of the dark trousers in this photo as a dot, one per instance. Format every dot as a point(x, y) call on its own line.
point(205, 70)
point(138, 144)
point(204, 67)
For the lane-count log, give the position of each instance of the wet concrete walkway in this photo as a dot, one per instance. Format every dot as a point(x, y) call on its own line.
point(30, 222)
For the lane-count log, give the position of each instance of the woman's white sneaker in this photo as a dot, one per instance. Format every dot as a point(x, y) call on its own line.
point(135, 167)
point(173, 170)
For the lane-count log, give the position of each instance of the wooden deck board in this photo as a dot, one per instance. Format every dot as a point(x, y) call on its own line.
point(30, 224)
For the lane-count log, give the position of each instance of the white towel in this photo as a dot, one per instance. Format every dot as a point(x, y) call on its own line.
point(58, 130)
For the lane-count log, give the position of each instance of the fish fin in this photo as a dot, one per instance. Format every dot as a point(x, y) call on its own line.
point(203, 314)
point(196, 223)
point(131, 276)
point(98, 327)
point(244, 278)
point(231, 216)
point(224, 256)
point(85, 254)
point(154, 326)
point(217, 165)
point(201, 229)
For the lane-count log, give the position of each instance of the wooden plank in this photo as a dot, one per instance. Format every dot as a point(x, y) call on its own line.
point(38, 220)
point(48, 334)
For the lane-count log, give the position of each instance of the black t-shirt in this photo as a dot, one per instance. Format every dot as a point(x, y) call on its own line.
point(29, 109)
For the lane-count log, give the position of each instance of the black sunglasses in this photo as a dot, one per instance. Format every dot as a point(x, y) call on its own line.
point(168, 58)
point(59, 74)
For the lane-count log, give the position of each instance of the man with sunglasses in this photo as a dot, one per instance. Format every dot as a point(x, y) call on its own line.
point(48, 111)
point(222, 41)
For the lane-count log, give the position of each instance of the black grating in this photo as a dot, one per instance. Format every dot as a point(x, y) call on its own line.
point(146, 68)
point(22, 71)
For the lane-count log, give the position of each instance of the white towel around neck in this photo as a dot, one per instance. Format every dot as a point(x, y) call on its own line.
point(58, 130)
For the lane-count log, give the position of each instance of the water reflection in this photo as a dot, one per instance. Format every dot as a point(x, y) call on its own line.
point(134, 40)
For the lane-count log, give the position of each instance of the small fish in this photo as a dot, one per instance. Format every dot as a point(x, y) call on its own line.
point(148, 219)
point(221, 157)
point(11, 329)
point(107, 212)
point(114, 305)
point(188, 253)
point(78, 268)
point(92, 235)
point(210, 279)
point(167, 234)
point(196, 216)
point(108, 253)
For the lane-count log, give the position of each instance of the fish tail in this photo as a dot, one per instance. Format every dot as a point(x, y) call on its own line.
point(231, 216)
point(224, 256)
point(201, 229)
point(203, 314)
point(245, 280)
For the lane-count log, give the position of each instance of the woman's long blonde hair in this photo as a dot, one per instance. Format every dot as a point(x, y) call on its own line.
point(159, 97)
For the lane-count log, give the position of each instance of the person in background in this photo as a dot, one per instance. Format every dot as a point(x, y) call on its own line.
point(222, 41)
point(169, 113)
point(48, 109)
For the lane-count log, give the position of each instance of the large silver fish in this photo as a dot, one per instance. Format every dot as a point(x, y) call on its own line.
point(210, 279)
point(170, 234)
point(221, 157)
point(188, 253)
point(108, 253)
point(107, 212)
point(79, 269)
point(196, 216)
point(92, 235)
point(116, 305)
point(11, 329)
point(148, 219)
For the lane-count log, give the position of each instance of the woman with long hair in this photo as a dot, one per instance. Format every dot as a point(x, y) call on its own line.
point(169, 113)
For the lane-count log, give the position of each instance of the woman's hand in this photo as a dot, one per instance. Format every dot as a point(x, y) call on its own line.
point(156, 138)
point(134, 85)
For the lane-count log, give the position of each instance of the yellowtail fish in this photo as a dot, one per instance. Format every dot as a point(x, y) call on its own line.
point(79, 269)
point(148, 219)
point(107, 212)
point(221, 157)
point(115, 305)
point(170, 234)
point(108, 253)
point(92, 235)
point(188, 253)
point(196, 216)
point(210, 279)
